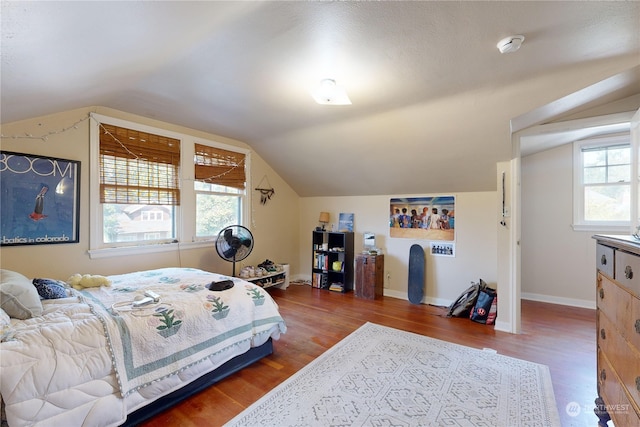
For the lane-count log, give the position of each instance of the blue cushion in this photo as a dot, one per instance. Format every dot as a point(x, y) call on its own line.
point(50, 288)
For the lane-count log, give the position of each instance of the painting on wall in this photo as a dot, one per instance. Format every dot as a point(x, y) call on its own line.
point(425, 218)
point(40, 199)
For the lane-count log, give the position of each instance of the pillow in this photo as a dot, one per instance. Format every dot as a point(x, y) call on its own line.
point(18, 297)
point(6, 331)
point(50, 288)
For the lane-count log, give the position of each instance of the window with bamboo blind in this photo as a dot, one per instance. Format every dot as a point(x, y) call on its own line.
point(220, 184)
point(219, 166)
point(153, 186)
point(138, 167)
point(139, 185)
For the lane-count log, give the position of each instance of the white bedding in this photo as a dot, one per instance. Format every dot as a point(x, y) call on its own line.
point(68, 366)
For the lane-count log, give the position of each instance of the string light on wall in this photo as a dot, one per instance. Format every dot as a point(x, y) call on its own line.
point(75, 125)
point(46, 136)
point(136, 157)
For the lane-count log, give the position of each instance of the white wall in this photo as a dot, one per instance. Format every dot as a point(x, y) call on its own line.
point(446, 277)
point(557, 262)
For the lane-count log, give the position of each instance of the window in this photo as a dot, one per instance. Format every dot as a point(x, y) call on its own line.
point(138, 171)
point(154, 186)
point(220, 188)
point(602, 183)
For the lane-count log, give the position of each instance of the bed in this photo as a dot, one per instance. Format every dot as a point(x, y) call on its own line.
point(89, 358)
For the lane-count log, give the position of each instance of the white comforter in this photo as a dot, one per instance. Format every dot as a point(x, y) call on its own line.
point(58, 370)
point(70, 366)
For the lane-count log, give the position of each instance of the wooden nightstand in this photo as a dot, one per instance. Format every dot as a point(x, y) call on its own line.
point(369, 276)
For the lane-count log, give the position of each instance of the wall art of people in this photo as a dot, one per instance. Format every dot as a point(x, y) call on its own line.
point(427, 218)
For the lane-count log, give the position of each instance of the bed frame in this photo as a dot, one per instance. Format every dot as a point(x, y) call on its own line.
point(196, 386)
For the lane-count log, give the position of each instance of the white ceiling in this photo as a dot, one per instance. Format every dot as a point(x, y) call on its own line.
point(432, 96)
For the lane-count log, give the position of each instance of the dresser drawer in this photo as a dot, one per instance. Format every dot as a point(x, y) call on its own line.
point(605, 259)
point(623, 357)
point(615, 302)
point(627, 271)
point(618, 405)
point(621, 307)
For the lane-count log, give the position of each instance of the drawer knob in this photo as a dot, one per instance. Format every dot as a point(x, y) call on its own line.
point(637, 325)
point(628, 272)
point(638, 383)
point(603, 259)
point(603, 334)
point(601, 293)
point(603, 375)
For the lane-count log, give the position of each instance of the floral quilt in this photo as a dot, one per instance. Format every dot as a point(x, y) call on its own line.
point(188, 324)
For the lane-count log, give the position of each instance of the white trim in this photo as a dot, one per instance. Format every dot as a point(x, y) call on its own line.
point(395, 294)
point(572, 302)
point(579, 223)
point(515, 257)
point(439, 302)
point(503, 326)
point(634, 136)
point(148, 249)
point(184, 215)
point(601, 229)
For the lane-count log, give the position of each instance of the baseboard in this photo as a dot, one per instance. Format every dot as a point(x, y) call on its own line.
point(506, 327)
point(573, 302)
point(300, 278)
point(502, 326)
point(425, 300)
point(395, 294)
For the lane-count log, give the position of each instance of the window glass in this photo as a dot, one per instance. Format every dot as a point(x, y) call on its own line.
point(156, 186)
point(602, 187)
point(216, 211)
point(131, 223)
point(607, 203)
point(220, 189)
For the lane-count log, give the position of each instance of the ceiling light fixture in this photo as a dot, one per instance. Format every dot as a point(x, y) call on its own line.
point(329, 93)
point(510, 44)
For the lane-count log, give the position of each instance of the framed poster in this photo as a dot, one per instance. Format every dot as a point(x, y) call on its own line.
point(346, 222)
point(40, 199)
point(426, 218)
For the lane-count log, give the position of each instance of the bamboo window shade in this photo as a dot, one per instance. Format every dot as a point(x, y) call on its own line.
point(218, 166)
point(138, 167)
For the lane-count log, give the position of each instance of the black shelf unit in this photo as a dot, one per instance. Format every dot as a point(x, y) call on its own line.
point(332, 263)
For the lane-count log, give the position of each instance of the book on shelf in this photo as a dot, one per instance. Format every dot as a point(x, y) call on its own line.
point(336, 287)
point(319, 280)
point(320, 261)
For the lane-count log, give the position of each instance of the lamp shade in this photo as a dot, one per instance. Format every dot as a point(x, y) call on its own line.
point(324, 217)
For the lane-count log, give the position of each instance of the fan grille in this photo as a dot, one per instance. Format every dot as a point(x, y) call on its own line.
point(234, 243)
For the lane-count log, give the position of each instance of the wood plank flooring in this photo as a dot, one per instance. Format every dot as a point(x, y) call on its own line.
point(560, 337)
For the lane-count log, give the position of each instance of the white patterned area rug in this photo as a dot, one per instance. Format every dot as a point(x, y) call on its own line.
point(380, 376)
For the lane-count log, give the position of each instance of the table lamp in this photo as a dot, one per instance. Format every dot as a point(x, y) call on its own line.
point(324, 219)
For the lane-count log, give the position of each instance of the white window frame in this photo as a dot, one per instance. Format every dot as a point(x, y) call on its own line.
point(245, 200)
point(579, 222)
point(184, 213)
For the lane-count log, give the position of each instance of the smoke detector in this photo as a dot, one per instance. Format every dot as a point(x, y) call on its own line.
point(510, 44)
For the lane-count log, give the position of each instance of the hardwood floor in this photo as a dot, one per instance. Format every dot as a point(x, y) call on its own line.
point(560, 337)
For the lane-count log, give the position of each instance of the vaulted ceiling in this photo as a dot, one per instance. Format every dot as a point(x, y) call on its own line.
point(433, 98)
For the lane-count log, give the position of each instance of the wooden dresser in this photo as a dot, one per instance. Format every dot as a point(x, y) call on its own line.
point(618, 330)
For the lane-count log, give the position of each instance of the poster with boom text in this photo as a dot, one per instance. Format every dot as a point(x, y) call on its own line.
point(39, 199)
